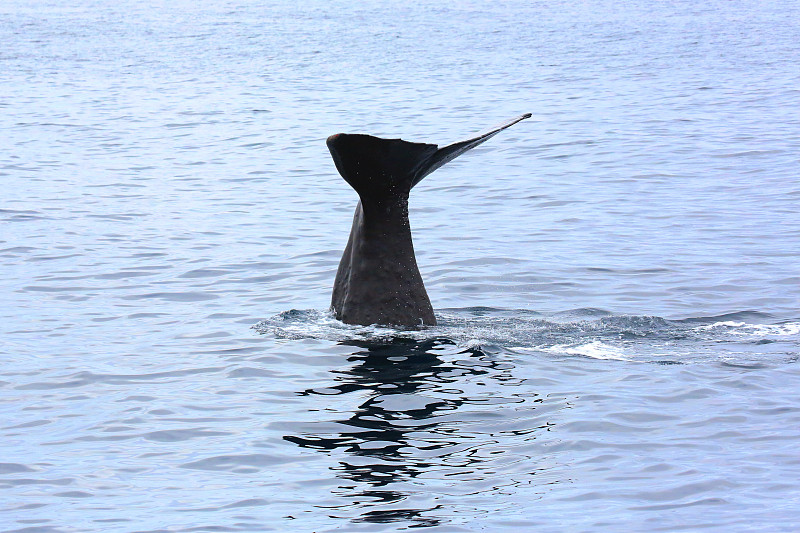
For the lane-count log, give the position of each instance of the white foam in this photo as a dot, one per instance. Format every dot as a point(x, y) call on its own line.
point(594, 349)
point(472, 344)
point(725, 324)
point(757, 330)
point(318, 324)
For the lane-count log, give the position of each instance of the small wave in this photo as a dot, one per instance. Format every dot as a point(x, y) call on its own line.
point(742, 316)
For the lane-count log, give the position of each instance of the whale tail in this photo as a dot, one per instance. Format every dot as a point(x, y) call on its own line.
point(378, 281)
point(379, 168)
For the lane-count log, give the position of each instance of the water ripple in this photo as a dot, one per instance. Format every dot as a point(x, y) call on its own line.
point(616, 281)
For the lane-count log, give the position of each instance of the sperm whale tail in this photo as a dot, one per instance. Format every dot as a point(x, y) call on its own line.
point(378, 281)
point(450, 152)
point(377, 167)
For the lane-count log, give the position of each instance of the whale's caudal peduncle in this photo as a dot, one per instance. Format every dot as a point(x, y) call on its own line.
point(378, 281)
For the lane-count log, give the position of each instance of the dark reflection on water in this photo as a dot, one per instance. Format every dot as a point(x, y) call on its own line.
point(406, 427)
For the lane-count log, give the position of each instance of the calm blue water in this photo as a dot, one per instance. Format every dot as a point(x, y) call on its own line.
point(617, 280)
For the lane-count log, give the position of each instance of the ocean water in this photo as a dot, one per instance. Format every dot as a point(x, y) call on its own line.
point(617, 279)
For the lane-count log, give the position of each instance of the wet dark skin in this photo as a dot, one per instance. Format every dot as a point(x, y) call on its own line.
point(378, 281)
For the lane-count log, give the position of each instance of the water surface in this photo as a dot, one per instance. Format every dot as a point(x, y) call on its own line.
point(616, 280)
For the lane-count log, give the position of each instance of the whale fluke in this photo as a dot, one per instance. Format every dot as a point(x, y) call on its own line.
point(450, 152)
point(378, 281)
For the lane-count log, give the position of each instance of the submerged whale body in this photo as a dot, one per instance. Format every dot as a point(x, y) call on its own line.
point(378, 281)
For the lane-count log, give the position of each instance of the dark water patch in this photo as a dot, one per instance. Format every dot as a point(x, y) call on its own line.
point(240, 464)
point(188, 296)
point(14, 468)
point(38, 529)
point(12, 215)
point(207, 113)
point(747, 316)
point(251, 502)
point(17, 250)
point(124, 217)
point(124, 274)
point(248, 372)
point(263, 144)
point(179, 435)
point(16, 482)
point(48, 288)
point(31, 424)
point(37, 258)
point(137, 398)
point(204, 273)
point(73, 494)
point(703, 502)
point(414, 517)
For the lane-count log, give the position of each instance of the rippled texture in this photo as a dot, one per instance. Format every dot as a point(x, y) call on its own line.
point(616, 280)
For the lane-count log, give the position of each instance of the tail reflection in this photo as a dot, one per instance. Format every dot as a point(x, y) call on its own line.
point(406, 427)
